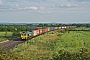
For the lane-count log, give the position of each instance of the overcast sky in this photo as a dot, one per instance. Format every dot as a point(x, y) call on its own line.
point(63, 11)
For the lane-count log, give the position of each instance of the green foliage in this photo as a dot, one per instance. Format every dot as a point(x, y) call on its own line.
point(39, 47)
point(72, 46)
point(81, 29)
point(54, 45)
point(4, 36)
point(12, 28)
point(3, 39)
point(83, 54)
point(16, 33)
point(30, 27)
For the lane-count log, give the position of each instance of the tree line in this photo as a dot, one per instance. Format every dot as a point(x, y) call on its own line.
point(30, 27)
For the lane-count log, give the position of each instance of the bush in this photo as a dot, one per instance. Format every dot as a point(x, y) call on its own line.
point(83, 54)
point(15, 33)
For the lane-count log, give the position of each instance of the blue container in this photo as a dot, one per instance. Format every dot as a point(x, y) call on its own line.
point(42, 31)
point(51, 28)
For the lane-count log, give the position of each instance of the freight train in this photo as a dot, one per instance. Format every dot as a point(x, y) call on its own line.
point(26, 35)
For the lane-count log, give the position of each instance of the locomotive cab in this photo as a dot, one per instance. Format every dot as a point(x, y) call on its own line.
point(24, 36)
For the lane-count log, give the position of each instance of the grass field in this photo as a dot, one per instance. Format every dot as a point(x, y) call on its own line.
point(48, 46)
point(72, 45)
point(39, 47)
point(73, 40)
point(4, 36)
point(45, 46)
point(82, 28)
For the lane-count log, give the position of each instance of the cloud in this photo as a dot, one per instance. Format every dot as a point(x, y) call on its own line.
point(30, 8)
point(33, 8)
point(46, 5)
point(17, 5)
point(1, 3)
point(42, 8)
point(66, 5)
point(12, 0)
point(80, 0)
point(83, 0)
point(43, 12)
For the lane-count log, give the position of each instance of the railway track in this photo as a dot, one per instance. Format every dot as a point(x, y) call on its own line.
point(11, 44)
point(7, 46)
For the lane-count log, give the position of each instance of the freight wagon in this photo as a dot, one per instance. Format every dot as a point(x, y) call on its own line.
point(51, 28)
point(56, 28)
point(26, 35)
point(45, 30)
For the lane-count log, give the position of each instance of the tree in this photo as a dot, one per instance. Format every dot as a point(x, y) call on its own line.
point(6, 34)
point(16, 32)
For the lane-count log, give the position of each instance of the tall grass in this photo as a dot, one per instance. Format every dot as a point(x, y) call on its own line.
point(39, 47)
point(72, 43)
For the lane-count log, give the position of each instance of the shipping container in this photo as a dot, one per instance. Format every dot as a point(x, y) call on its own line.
point(37, 31)
point(45, 30)
point(67, 27)
point(51, 28)
point(64, 26)
point(34, 33)
point(48, 29)
point(56, 28)
point(72, 26)
point(42, 31)
point(60, 27)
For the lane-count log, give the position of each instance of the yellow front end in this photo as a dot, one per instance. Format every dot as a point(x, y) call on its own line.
point(24, 37)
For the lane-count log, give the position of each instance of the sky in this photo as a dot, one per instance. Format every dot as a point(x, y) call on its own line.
point(29, 11)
